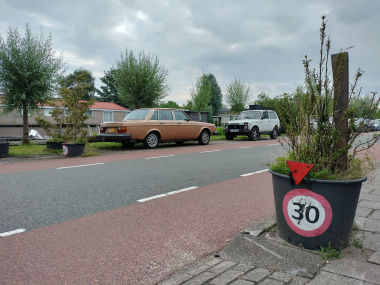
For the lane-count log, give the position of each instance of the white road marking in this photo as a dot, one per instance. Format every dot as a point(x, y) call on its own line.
point(264, 248)
point(83, 165)
point(244, 147)
point(167, 194)
point(273, 144)
point(252, 173)
point(153, 157)
point(210, 151)
point(6, 234)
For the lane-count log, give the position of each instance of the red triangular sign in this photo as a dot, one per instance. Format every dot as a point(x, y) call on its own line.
point(299, 170)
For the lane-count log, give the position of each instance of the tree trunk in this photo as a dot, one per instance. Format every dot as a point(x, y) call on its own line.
point(25, 131)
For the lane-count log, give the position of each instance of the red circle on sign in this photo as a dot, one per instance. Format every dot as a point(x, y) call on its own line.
point(322, 200)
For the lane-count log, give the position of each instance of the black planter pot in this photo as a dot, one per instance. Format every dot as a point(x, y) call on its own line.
point(4, 149)
point(73, 149)
point(54, 145)
point(315, 213)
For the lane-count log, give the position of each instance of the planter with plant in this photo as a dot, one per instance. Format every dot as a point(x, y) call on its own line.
point(323, 134)
point(4, 148)
point(54, 130)
point(75, 132)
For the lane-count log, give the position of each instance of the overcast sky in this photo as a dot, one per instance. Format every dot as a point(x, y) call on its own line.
point(260, 42)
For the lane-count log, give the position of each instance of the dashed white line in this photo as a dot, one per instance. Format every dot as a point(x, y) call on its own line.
point(153, 157)
point(6, 234)
point(252, 173)
point(166, 194)
point(207, 151)
point(244, 147)
point(83, 165)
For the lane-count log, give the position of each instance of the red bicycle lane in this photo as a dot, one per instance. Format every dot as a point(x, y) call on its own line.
point(140, 243)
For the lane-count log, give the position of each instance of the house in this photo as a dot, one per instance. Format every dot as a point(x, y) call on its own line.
point(11, 124)
point(224, 116)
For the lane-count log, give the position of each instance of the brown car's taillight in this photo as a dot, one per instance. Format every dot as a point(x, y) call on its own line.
point(102, 130)
point(121, 130)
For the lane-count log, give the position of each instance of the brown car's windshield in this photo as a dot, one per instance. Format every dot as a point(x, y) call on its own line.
point(138, 114)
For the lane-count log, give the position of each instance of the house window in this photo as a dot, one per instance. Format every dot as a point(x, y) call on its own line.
point(89, 113)
point(107, 116)
point(47, 112)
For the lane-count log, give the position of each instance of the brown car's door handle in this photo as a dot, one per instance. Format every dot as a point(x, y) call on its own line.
point(162, 123)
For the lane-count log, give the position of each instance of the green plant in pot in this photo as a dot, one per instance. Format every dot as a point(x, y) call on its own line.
point(324, 133)
point(54, 128)
point(75, 132)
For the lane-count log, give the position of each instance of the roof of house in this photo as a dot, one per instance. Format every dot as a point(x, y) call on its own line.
point(107, 106)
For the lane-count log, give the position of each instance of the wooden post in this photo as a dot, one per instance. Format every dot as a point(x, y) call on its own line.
point(340, 81)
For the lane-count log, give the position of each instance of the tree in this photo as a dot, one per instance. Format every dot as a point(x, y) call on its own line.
point(216, 94)
point(108, 92)
point(28, 72)
point(201, 95)
point(237, 95)
point(70, 82)
point(141, 81)
point(170, 104)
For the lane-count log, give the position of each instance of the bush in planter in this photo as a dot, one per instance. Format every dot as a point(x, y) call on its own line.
point(75, 132)
point(320, 211)
point(54, 129)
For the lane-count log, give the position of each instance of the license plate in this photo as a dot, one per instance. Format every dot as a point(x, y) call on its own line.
point(111, 130)
point(234, 130)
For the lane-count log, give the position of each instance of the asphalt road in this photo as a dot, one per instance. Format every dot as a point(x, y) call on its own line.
point(35, 199)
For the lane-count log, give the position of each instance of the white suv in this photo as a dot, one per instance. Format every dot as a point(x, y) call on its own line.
point(253, 123)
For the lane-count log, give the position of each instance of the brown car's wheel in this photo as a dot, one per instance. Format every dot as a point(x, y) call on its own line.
point(204, 137)
point(152, 140)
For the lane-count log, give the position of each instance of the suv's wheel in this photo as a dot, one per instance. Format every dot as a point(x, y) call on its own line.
point(274, 134)
point(204, 137)
point(254, 134)
point(152, 140)
point(229, 137)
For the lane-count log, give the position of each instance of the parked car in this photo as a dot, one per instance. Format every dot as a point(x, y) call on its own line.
point(253, 123)
point(154, 125)
point(375, 125)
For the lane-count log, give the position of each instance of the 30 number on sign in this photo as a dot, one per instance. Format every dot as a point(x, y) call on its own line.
point(307, 213)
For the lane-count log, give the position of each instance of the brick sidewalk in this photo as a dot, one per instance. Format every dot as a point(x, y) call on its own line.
point(358, 266)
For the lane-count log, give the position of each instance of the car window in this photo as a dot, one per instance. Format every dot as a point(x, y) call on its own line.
point(165, 115)
point(180, 116)
point(265, 115)
point(154, 115)
point(272, 115)
point(249, 115)
point(138, 114)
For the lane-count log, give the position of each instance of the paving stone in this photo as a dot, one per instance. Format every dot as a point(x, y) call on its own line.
point(328, 278)
point(375, 258)
point(242, 282)
point(176, 279)
point(226, 277)
point(369, 204)
point(269, 281)
point(211, 260)
point(370, 197)
point(362, 212)
point(372, 241)
point(223, 266)
point(243, 267)
point(281, 276)
point(367, 272)
point(256, 274)
point(201, 278)
point(367, 190)
point(299, 281)
point(375, 215)
point(368, 225)
point(197, 270)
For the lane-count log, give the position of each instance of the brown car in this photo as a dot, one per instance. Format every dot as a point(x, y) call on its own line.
point(154, 125)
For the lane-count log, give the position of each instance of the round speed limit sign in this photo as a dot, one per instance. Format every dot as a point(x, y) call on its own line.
point(307, 213)
point(65, 150)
